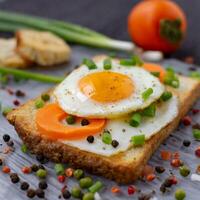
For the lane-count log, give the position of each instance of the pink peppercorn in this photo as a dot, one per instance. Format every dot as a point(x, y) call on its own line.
point(61, 178)
point(131, 190)
point(187, 120)
point(197, 152)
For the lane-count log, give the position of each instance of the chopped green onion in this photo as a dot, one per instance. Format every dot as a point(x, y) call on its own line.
point(78, 174)
point(196, 133)
point(171, 79)
point(89, 63)
point(85, 182)
point(24, 148)
point(127, 62)
point(6, 111)
point(146, 94)
point(107, 64)
point(156, 74)
point(59, 169)
point(135, 120)
point(41, 173)
point(166, 96)
point(29, 75)
point(39, 103)
point(107, 138)
point(180, 194)
point(150, 111)
point(137, 61)
point(138, 140)
point(195, 75)
point(70, 119)
point(45, 97)
point(96, 187)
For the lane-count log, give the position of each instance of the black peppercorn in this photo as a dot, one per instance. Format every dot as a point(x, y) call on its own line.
point(31, 193)
point(6, 137)
point(167, 183)
point(90, 138)
point(1, 162)
point(186, 143)
point(34, 168)
point(66, 194)
point(14, 178)
point(40, 193)
point(24, 186)
point(159, 169)
point(115, 143)
point(19, 93)
point(43, 185)
point(85, 122)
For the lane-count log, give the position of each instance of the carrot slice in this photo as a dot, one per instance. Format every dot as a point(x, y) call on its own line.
point(151, 67)
point(48, 121)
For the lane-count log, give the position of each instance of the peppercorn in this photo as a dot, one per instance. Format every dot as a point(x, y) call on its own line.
point(40, 193)
point(14, 178)
point(70, 119)
point(180, 194)
point(176, 162)
point(85, 122)
point(85, 182)
point(66, 194)
point(90, 138)
point(24, 186)
point(61, 178)
point(88, 196)
point(10, 143)
point(78, 173)
point(115, 143)
point(187, 120)
point(6, 137)
point(19, 93)
point(1, 162)
point(131, 190)
point(45, 97)
point(43, 185)
point(31, 193)
point(76, 192)
point(159, 169)
point(34, 168)
point(186, 143)
point(6, 169)
point(184, 171)
point(16, 102)
point(41, 173)
point(197, 152)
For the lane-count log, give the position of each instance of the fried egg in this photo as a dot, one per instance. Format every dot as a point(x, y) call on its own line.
point(121, 131)
point(100, 93)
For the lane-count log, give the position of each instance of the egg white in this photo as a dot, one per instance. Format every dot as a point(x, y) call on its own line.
point(73, 101)
point(122, 131)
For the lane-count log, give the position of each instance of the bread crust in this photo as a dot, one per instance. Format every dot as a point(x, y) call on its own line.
point(124, 167)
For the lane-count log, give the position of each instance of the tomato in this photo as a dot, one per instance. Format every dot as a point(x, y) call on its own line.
point(157, 25)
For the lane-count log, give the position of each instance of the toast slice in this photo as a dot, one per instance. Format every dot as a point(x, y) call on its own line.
point(124, 167)
point(9, 57)
point(43, 48)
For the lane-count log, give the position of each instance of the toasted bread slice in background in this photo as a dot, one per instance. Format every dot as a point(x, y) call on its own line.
point(43, 48)
point(124, 167)
point(8, 55)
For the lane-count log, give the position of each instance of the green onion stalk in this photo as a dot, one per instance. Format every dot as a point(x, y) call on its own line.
point(11, 22)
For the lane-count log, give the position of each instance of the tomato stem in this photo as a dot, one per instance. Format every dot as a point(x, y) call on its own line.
point(171, 30)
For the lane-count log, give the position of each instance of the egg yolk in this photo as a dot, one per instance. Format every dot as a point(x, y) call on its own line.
point(106, 86)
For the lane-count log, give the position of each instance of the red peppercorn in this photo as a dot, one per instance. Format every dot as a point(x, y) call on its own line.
point(6, 169)
point(61, 178)
point(16, 102)
point(26, 170)
point(195, 111)
point(173, 180)
point(176, 162)
point(197, 152)
point(150, 177)
point(187, 120)
point(131, 190)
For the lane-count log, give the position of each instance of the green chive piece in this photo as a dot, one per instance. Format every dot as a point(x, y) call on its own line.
point(150, 111)
point(39, 103)
point(166, 96)
point(76, 192)
point(59, 169)
point(135, 120)
point(137, 61)
point(85, 182)
point(96, 187)
point(78, 174)
point(107, 64)
point(45, 97)
point(138, 140)
point(171, 79)
point(184, 170)
point(146, 94)
point(180, 194)
point(24, 148)
point(195, 75)
point(89, 63)
point(41, 173)
point(196, 133)
point(156, 74)
point(107, 138)
point(70, 119)
point(88, 196)
point(127, 62)
point(6, 111)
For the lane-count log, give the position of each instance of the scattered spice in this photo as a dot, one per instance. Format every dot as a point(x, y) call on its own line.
point(159, 169)
point(90, 138)
point(41, 173)
point(195, 111)
point(34, 168)
point(16, 102)
point(24, 148)
point(184, 170)
point(14, 178)
point(1, 162)
point(61, 178)
point(187, 120)
point(131, 190)
point(66, 194)
point(31, 193)
point(26, 170)
point(186, 143)
point(10, 143)
point(40, 193)
point(197, 152)
point(19, 93)
point(6, 138)
point(24, 186)
point(6, 169)
point(198, 169)
point(115, 143)
point(150, 177)
point(69, 172)
point(176, 162)
point(180, 194)
point(85, 122)
point(166, 155)
point(43, 185)
point(115, 189)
